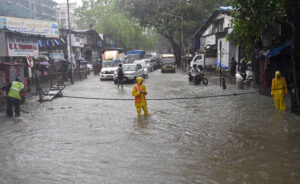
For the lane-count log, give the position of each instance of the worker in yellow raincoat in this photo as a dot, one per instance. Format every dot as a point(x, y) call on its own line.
point(139, 91)
point(279, 91)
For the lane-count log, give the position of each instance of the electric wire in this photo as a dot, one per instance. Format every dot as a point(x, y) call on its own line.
point(161, 99)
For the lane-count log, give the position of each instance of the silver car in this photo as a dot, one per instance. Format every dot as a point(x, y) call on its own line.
point(131, 72)
point(145, 66)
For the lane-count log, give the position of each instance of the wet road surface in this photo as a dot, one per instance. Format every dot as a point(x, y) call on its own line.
point(234, 140)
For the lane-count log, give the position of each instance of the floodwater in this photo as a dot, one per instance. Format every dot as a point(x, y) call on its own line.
point(234, 140)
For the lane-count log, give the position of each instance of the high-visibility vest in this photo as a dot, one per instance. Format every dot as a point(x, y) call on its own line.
point(138, 98)
point(14, 91)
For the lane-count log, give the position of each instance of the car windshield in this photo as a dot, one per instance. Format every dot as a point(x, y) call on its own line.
point(112, 63)
point(128, 67)
point(168, 61)
point(143, 64)
point(133, 56)
point(107, 64)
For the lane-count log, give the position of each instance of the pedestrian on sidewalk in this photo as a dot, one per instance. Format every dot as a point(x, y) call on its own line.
point(279, 91)
point(13, 91)
point(233, 64)
point(139, 91)
point(120, 77)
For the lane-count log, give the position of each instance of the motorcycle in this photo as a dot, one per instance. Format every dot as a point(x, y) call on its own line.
point(198, 79)
point(246, 77)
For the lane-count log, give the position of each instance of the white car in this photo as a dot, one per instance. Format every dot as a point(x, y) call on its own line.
point(109, 69)
point(131, 72)
point(145, 65)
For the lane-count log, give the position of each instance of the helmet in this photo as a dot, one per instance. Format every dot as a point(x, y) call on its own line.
point(120, 65)
point(194, 65)
point(19, 79)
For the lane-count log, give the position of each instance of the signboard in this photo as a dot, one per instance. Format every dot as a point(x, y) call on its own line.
point(110, 55)
point(77, 41)
point(210, 40)
point(22, 46)
point(30, 26)
point(57, 56)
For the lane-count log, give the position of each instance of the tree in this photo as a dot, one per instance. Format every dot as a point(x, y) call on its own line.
point(252, 19)
point(164, 17)
point(121, 27)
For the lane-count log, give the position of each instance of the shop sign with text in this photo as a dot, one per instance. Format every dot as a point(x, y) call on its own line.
point(21, 46)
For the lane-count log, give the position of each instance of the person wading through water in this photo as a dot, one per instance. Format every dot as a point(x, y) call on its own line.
point(120, 78)
point(13, 91)
point(139, 91)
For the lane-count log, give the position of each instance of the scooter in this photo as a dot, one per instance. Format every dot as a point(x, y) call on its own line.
point(198, 79)
point(245, 77)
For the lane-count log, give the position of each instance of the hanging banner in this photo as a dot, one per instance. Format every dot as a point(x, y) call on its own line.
point(22, 46)
point(30, 26)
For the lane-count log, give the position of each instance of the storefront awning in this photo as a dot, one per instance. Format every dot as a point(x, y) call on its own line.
point(220, 64)
point(277, 50)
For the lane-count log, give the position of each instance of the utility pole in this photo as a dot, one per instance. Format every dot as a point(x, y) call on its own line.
point(70, 44)
point(220, 47)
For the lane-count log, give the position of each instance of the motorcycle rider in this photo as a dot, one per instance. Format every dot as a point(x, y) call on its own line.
point(196, 73)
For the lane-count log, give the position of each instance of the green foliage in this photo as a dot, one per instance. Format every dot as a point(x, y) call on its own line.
point(165, 16)
point(121, 27)
point(252, 20)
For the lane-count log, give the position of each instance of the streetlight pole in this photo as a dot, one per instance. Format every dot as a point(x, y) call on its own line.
point(70, 44)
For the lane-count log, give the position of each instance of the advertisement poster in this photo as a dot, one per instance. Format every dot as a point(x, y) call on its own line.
point(20, 46)
point(30, 26)
point(110, 55)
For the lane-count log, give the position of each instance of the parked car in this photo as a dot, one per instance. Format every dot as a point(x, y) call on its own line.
point(131, 72)
point(109, 68)
point(168, 65)
point(144, 65)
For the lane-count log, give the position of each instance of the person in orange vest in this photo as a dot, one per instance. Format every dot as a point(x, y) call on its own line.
point(279, 91)
point(139, 91)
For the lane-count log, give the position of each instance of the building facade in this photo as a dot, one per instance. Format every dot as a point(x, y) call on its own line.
point(62, 15)
point(210, 39)
point(32, 9)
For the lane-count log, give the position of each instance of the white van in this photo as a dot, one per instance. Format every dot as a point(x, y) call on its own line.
point(198, 60)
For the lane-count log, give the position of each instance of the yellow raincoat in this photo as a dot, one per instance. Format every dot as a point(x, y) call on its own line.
point(139, 91)
point(278, 91)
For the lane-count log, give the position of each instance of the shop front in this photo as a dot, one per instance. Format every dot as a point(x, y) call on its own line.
point(15, 53)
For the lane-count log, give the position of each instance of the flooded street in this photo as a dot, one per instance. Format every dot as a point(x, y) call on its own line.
point(235, 140)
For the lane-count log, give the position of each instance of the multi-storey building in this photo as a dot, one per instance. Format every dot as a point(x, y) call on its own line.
point(62, 15)
point(32, 9)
